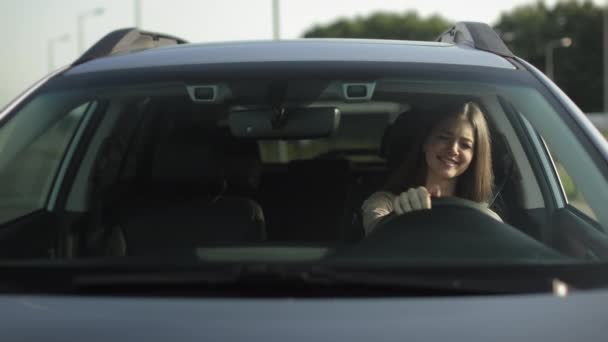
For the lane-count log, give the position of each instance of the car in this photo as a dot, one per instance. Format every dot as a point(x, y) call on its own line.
point(157, 189)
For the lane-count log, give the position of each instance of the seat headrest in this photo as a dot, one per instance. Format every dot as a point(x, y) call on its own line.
point(202, 155)
point(180, 163)
point(185, 161)
point(242, 173)
point(240, 160)
point(397, 137)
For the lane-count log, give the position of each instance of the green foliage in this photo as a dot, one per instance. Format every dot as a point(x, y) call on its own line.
point(577, 69)
point(382, 25)
point(567, 182)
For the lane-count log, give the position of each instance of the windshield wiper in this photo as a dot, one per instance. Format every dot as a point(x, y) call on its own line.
point(281, 280)
point(260, 279)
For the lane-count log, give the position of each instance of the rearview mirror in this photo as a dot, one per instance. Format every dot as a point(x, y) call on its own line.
point(285, 123)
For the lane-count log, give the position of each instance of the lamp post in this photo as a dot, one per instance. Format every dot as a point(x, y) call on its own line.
point(276, 27)
point(137, 13)
point(80, 22)
point(276, 35)
point(51, 48)
point(552, 45)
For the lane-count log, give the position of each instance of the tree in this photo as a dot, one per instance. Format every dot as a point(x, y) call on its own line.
point(382, 25)
point(578, 69)
point(526, 29)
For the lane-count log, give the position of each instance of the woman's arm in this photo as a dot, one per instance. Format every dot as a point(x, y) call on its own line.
point(376, 207)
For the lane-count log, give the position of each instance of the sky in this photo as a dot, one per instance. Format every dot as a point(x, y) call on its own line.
point(31, 26)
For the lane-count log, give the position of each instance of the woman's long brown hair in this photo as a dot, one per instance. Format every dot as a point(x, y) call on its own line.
point(475, 183)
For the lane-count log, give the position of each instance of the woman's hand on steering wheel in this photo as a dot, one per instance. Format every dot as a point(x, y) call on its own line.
point(414, 199)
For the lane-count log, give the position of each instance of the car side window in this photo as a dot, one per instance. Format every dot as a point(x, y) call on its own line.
point(573, 194)
point(571, 186)
point(29, 162)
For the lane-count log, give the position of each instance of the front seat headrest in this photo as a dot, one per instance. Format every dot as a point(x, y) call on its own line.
point(401, 135)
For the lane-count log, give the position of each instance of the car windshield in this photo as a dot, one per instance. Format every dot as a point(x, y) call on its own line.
point(262, 167)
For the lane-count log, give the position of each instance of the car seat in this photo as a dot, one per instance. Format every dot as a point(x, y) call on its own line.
point(176, 202)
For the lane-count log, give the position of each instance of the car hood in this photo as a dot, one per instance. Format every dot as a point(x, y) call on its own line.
point(502, 318)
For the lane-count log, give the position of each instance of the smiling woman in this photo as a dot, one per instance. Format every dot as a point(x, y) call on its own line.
point(450, 155)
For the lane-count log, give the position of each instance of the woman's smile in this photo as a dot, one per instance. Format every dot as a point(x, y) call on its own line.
point(449, 162)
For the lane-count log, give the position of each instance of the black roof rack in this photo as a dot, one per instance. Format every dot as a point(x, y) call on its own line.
point(127, 40)
point(478, 36)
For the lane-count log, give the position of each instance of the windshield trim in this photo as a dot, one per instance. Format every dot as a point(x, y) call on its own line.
point(19, 100)
point(355, 71)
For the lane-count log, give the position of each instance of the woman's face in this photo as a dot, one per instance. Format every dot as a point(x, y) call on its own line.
point(449, 149)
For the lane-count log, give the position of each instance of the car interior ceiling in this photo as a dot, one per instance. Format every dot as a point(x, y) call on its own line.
point(171, 177)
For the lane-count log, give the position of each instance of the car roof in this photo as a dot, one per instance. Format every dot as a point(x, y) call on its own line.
point(301, 50)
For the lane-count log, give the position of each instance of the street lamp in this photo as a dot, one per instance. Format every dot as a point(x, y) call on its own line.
point(552, 45)
point(51, 48)
point(276, 27)
point(80, 22)
point(137, 12)
point(276, 35)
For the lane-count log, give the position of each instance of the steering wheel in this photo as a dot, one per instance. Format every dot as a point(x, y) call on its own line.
point(446, 202)
point(455, 229)
point(464, 203)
